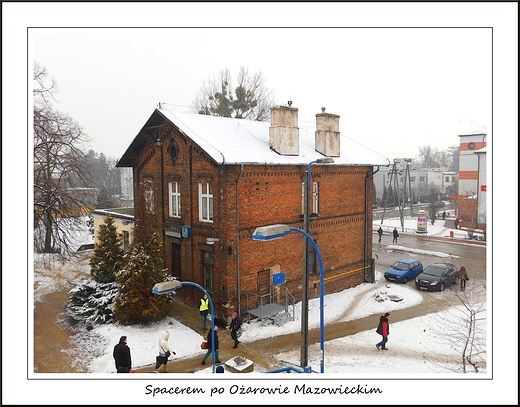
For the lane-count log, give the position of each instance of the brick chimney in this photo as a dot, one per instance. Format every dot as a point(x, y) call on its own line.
point(327, 134)
point(284, 134)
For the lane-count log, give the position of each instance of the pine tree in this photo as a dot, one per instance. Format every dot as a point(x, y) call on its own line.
point(108, 255)
point(136, 303)
point(92, 300)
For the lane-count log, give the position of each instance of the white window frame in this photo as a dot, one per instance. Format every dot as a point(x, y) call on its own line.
point(205, 202)
point(174, 194)
point(314, 198)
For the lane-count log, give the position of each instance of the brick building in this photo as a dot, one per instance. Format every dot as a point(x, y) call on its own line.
point(205, 183)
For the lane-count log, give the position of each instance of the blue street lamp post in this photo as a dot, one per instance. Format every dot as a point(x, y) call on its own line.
point(304, 352)
point(171, 286)
point(271, 232)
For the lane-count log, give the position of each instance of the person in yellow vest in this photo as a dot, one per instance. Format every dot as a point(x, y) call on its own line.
point(204, 310)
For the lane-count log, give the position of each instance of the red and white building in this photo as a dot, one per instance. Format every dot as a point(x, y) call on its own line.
point(473, 179)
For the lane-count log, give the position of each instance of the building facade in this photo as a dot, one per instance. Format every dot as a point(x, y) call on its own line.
point(473, 180)
point(123, 221)
point(205, 183)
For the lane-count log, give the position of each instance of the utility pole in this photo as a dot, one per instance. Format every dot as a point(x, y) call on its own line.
point(393, 176)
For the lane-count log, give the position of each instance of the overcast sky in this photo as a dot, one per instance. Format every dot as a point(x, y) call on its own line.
point(395, 89)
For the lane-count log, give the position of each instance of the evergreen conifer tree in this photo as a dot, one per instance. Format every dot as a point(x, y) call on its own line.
point(136, 303)
point(108, 255)
point(92, 300)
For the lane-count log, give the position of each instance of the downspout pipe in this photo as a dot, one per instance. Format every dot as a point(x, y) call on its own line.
point(238, 239)
point(368, 228)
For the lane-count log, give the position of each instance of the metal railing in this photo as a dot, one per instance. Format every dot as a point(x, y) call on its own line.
point(265, 306)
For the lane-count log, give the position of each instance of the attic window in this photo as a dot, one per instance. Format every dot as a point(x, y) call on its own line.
point(173, 150)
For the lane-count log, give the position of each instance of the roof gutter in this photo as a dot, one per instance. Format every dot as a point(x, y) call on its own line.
point(238, 239)
point(368, 229)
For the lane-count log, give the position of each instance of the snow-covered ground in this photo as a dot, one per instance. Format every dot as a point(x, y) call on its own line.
point(338, 307)
point(353, 360)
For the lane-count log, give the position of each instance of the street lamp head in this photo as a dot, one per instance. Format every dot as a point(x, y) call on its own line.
point(212, 240)
point(271, 232)
point(326, 160)
point(166, 287)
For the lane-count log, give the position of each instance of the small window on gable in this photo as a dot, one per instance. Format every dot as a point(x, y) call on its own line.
point(173, 150)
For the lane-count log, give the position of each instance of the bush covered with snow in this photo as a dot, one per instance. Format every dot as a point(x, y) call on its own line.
point(91, 302)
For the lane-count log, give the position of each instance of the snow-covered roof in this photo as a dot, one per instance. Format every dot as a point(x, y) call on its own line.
point(239, 141)
point(473, 133)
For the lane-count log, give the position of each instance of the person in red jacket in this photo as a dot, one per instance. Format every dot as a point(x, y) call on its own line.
point(383, 329)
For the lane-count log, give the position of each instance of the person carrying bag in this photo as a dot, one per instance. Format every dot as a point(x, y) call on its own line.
point(165, 351)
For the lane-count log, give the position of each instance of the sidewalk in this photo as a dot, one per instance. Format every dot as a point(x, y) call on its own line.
point(262, 352)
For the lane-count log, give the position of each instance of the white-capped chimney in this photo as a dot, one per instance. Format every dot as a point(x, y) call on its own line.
point(327, 138)
point(284, 134)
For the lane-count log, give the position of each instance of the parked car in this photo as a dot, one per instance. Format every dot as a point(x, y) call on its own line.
point(404, 270)
point(436, 277)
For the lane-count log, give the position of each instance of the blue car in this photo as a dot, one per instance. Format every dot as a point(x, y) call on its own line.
point(404, 270)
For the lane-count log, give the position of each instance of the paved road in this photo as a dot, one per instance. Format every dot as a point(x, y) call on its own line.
point(470, 254)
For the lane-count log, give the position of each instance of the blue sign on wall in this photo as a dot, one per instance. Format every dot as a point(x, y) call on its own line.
point(279, 278)
point(185, 231)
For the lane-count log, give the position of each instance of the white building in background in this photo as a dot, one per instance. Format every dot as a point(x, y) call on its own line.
point(418, 181)
point(127, 187)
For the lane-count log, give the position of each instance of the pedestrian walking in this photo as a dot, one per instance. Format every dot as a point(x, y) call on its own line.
point(444, 215)
point(210, 346)
point(164, 351)
point(380, 233)
point(463, 277)
point(396, 235)
point(235, 326)
point(204, 310)
point(383, 329)
point(122, 357)
point(457, 222)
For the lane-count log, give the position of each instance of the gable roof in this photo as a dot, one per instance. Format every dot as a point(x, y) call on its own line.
point(230, 141)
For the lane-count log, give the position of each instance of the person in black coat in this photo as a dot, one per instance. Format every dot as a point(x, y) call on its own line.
point(396, 235)
point(235, 326)
point(122, 356)
point(380, 233)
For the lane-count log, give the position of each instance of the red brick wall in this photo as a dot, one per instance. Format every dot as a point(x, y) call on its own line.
point(268, 194)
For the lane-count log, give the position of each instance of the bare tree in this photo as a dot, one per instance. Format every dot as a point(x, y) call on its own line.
point(250, 99)
point(462, 328)
point(59, 172)
point(433, 158)
point(453, 153)
point(106, 177)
